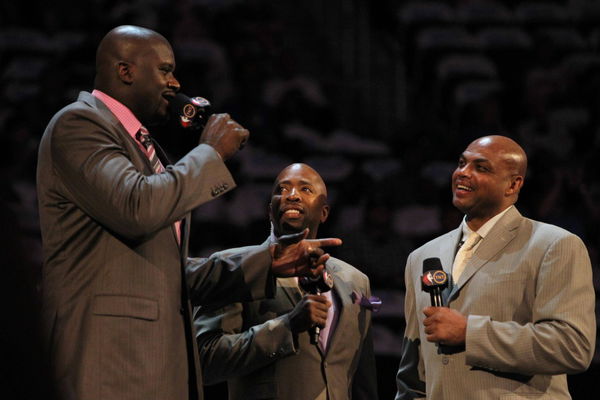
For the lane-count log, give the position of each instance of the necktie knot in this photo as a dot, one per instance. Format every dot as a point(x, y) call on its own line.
point(471, 241)
point(464, 254)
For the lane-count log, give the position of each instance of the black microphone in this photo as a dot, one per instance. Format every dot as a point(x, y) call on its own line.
point(434, 280)
point(316, 285)
point(192, 113)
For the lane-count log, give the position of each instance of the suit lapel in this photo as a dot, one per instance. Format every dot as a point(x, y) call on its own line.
point(137, 155)
point(343, 293)
point(447, 252)
point(497, 239)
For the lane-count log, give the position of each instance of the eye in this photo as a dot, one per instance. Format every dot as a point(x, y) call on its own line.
point(307, 189)
point(482, 168)
point(166, 69)
point(461, 162)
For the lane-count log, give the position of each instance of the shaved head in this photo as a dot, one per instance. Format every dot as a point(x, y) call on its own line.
point(511, 153)
point(304, 170)
point(123, 43)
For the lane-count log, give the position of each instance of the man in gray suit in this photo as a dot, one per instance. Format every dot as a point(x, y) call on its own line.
point(519, 311)
point(115, 226)
point(263, 348)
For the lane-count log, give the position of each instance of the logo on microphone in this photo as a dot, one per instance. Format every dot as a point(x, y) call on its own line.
point(435, 278)
point(189, 111)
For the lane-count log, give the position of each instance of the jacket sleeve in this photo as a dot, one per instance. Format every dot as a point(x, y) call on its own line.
point(94, 163)
point(561, 337)
point(227, 351)
point(410, 379)
point(229, 276)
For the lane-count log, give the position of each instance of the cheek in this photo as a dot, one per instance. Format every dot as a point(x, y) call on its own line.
point(454, 175)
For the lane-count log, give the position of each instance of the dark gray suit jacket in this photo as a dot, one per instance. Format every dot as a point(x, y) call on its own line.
point(252, 347)
point(116, 306)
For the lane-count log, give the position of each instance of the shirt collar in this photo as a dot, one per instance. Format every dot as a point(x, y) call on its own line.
point(485, 228)
point(131, 124)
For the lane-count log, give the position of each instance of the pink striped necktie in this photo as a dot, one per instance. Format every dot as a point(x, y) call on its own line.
point(143, 136)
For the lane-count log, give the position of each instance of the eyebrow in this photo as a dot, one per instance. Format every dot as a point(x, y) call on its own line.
point(462, 156)
point(302, 182)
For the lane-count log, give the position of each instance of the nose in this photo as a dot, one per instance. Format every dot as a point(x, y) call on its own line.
point(462, 170)
point(292, 195)
point(173, 84)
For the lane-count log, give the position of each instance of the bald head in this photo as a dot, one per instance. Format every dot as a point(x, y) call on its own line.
point(124, 43)
point(307, 173)
point(509, 151)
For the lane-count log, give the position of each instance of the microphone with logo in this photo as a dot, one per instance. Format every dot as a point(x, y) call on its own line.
point(192, 113)
point(434, 280)
point(318, 285)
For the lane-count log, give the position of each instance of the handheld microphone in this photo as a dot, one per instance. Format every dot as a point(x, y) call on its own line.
point(318, 285)
point(192, 113)
point(434, 280)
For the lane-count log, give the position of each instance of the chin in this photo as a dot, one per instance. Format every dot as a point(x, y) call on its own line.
point(287, 229)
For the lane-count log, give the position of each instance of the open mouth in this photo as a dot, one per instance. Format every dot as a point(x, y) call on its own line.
point(464, 188)
point(291, 212)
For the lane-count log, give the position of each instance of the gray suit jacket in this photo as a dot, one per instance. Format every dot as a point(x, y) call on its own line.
point(529, 298)
point(252, 347)
point(116, 307)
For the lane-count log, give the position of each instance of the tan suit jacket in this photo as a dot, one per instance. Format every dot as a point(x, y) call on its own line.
point(252, 347)
point(529, 298)
point(116, 306)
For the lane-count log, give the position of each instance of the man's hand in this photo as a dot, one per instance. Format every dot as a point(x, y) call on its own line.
point(311, 311)
point(445, 326)
point(224, 134)
point(294, 255)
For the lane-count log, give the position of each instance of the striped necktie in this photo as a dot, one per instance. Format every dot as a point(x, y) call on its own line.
point(144, 138)
point(464, 254)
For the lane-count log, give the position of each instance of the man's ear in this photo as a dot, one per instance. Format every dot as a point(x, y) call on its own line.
point(125, 71)
point(324, 213)
point(516, 182)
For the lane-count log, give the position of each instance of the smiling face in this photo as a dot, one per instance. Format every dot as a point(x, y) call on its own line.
point(488, 178)
point(298, 201)
point(154, 83)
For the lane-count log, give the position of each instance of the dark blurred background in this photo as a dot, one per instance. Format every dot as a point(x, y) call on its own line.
point(379, 96)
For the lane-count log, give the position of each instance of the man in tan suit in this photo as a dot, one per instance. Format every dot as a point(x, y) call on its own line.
point(518, 313)
point(115, 226)
point(263, 348)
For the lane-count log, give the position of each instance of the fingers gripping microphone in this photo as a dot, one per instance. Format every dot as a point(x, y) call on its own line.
point(434, 280)
point(318, 285)
point(192, 113)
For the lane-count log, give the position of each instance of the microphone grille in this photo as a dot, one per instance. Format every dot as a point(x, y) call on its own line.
point(432, 263)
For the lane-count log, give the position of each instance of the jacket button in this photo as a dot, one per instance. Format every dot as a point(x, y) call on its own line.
point(445, 360)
